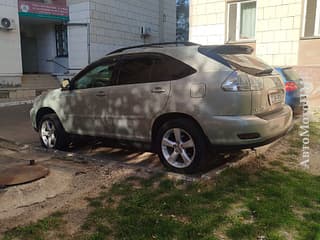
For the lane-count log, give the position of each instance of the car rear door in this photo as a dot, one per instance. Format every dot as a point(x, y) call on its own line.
point(138, 96)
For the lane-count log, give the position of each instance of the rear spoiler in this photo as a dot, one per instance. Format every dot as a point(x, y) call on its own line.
point(226, 49)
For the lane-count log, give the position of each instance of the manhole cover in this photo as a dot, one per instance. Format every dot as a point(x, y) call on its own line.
point(22, 174)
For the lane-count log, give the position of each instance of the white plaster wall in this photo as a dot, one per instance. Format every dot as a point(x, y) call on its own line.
point(78, 34)
point(10, 48)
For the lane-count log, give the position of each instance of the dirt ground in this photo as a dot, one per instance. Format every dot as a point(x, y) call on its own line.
point(64, 189)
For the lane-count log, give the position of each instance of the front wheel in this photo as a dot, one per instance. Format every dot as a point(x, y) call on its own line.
point(52, 134)
point(181, 146)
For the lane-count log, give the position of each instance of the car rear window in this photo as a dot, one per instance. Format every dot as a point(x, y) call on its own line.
point(152, 67)
point(237, 57)
point(290, 74)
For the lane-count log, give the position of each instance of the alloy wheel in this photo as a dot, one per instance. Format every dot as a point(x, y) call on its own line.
point(48, 134)
point(178, 148)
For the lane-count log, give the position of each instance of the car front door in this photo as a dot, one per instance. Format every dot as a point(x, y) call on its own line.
point(86, 104)
point(137, 97)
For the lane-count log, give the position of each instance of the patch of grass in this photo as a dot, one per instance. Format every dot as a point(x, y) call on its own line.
point(314, 128)
point(243, 203)
point(37, 231)
point(162, 209)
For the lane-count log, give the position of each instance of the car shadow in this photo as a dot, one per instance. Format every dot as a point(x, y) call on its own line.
point(105, 150)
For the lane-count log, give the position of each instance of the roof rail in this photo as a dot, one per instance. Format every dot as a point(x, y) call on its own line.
point(154, 45)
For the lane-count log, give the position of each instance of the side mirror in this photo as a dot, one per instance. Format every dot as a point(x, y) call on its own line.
point(65, 84)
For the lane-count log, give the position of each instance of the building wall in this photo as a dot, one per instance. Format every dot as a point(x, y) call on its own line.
point(78, 38)
point(309, 52)
point(278, 31)
point(207, 21)
point(277, 27)
point(10, 65)
point(118, 23)
point(113, 24)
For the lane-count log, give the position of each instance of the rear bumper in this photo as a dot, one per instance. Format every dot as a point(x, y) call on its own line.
point(225, 131)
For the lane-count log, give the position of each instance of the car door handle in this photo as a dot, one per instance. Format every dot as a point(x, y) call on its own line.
point(158, 90)
point(100, 94)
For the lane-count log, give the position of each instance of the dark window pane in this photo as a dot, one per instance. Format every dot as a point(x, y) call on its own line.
point(100, 76)
point(166, 68)
point(135, 70)
point(310, 18)
point(232, 22)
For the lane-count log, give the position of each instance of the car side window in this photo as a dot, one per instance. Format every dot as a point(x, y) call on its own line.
point(166, 68)
point(100, 76)
point(135, 70)
point(152, 67)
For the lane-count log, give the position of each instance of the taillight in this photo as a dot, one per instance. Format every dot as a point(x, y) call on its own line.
point(291, 86)
point(238, 81)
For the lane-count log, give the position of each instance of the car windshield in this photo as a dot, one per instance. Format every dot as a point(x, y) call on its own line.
point(290, 74)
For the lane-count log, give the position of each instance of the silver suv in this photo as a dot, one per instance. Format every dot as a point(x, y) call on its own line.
point(179, 99)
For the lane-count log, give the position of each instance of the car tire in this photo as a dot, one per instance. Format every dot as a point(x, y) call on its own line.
point(187, 154)
point(52, 134)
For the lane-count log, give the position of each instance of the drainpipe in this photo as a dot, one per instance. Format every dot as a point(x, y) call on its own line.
point(161, 20)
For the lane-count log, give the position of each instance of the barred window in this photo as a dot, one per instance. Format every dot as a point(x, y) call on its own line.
point(61, 41)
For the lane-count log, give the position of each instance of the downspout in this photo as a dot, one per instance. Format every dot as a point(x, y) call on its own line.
point(161, 20)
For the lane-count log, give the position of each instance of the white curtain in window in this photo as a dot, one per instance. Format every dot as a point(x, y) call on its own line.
point(248, 20)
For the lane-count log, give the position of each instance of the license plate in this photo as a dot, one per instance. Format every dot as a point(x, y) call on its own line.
point(275, 98)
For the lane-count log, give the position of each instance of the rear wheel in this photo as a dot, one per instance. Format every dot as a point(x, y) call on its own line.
point(181, 146)
point(52, 134)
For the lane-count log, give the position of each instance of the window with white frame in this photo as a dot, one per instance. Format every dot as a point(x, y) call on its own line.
point(311, 18)
point(241, 21)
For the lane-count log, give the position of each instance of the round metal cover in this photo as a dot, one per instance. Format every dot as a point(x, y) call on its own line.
point(22, 174)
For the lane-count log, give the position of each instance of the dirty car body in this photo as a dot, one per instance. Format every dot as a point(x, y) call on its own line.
point(180, 99)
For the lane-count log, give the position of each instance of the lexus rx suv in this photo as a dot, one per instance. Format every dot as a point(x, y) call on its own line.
point(179, 99)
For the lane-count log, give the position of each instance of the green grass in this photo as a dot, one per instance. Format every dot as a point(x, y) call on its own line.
point(269, 202)
point(243, 203)
point(37, 231)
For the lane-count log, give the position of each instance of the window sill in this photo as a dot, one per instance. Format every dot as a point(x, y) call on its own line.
point(310, 38)
point(240, 41)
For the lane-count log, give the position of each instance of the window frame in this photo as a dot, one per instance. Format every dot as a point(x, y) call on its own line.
point(316, 32)
point(238, 22)
point(61, 37)
point(317, 20)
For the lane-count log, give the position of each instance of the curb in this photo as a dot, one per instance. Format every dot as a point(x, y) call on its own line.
point(16, 103)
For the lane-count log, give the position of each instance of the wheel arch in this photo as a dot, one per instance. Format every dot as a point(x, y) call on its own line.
point(160, 120)
point(42, 112)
